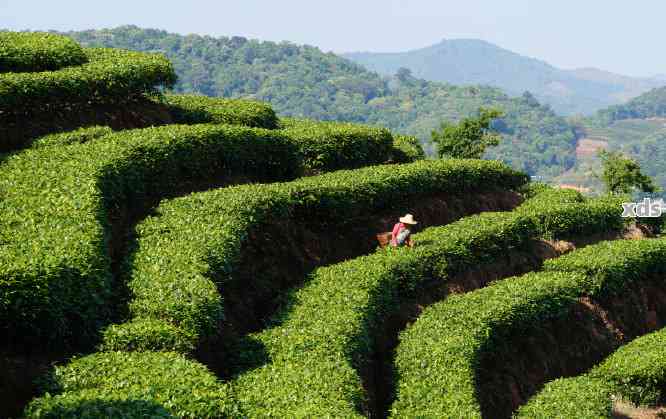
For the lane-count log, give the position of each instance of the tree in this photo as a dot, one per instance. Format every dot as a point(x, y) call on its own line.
point(621, 175)
point(404, 74)
point(469, 138)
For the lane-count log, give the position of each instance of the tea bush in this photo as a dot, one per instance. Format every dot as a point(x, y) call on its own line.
point(329, 329)
point(108, 76)
point(54, 263)
point(38, 51)
point(439, 352)
point(200, 236)
point(636, 372)
point(133, 385)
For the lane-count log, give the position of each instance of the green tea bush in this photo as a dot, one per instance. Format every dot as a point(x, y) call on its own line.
point(326, 335)
point(38, 51)
point(78, 136)
point(330, 146)
point(579, 397)
point(54, 263)
point(195, 238)
point(636, 372)
point(133, 385)
point(191, 109)
point(109, 76)
point(440, 352)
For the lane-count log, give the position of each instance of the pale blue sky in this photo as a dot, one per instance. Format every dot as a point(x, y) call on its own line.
point(616, 35)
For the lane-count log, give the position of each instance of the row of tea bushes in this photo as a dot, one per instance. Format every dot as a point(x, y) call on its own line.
point(108, 76)
point(132, 384)
point(636, 372)
point(192, 109)
point(199, 237)
point(38, 51)
point(335, 145)
point(326, 336)
point(438, 354)
point(54, 262)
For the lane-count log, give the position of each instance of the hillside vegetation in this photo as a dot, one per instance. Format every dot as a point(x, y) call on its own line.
point(302, 81)
point(225, 264)
point(637, 128)
point(473, 62)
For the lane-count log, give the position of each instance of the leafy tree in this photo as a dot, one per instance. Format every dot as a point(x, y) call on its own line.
point(469, 138)
point(622, 175)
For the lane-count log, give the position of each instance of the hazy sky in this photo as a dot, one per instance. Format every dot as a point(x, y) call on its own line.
point(615, 35)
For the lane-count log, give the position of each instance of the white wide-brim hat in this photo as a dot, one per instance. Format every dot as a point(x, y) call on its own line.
point(408, 219)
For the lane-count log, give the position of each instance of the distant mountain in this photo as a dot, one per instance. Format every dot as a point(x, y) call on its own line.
point(473, 62)
point(302, 81)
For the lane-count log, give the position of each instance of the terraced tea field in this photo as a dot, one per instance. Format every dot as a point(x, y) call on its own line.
point(183, 256)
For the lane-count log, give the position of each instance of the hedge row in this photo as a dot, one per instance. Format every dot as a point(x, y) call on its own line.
point(191, 109)
point(437, 356)
point(200, 236)
point(636, 372)
point(133, 385)
point(336, 145)
point(109, 76)
point(54, 264)
point(374, 187)
point(326, 336)
point(78, 136)
point(38, 51)
point(579, 397)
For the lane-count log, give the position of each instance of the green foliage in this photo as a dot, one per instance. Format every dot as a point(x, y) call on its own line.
point(579, 397)
point(303, 82)
point(191, 109)
point(38, 51)
point(440, 351)
point(469, 138)
point(147, 335)
point(622, 175)
point(109, 76)
point(648, 105)
point(407, 149)
point(133, 385)
point(199, 237)
point(329, 328)
point(54, 268)
point(79, 136)
point(336, 145)
point(610, 265)
point(636, 372)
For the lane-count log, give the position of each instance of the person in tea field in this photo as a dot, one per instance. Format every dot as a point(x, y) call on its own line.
point(401, 234)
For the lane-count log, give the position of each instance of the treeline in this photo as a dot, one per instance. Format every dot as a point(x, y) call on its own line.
point(302, 81)
point(649, 105)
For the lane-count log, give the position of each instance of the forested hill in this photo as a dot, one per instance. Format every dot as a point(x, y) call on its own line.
point(471, 61)
point(648, 105)
point(303, 81)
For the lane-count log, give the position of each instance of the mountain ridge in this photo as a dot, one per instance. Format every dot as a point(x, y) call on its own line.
point(471, 61)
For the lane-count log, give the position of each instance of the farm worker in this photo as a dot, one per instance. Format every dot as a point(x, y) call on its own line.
point(401, 235)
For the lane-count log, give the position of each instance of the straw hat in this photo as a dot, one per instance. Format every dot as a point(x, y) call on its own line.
point(408, 219)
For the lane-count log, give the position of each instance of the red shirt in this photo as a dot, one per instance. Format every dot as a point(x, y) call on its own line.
point(396, 230)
